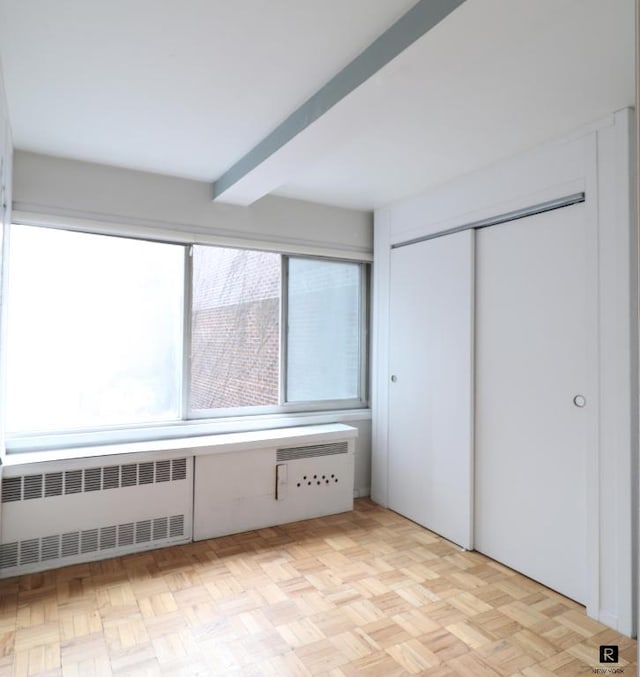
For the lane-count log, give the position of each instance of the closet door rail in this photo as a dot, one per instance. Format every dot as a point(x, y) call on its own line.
point(550, 205)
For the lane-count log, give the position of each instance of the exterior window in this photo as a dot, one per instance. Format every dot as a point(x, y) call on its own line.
point(109, 334)
point(235, 328)
point(94, 330)
point(324, 332)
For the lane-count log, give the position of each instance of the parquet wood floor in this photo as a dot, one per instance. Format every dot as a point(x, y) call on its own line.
point(362, 593)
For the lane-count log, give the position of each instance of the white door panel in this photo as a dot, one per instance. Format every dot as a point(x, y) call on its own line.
point(431, 398)
point(534, 335)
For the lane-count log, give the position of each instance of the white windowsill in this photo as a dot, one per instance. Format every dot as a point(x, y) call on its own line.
point(329, 425)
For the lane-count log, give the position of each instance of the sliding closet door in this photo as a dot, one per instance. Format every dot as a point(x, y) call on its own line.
point(535, 395)
point(430, 388)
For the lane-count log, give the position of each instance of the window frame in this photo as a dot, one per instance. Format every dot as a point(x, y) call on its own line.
point(209, 421)
point(284, 406)
point(348, 403)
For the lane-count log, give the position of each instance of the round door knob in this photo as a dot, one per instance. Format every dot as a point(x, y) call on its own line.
point(394, 378)
point(579, 401)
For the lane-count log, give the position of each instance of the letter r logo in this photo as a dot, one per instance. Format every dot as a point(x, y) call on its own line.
point(608, 653)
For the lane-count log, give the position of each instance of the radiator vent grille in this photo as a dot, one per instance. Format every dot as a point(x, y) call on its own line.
point(29, 551)
point(92, 479)
point(59, 546)
point(9, 555)
point(107, 538)
point(73, 482)
point(312, 451)
point(179, 469)
point(143, 531)
point(32, 487)
point(160, 528)
point(145, 473)
point(88, 541)
point(53, 484)
point(50, 548)
point(111, 477)
point(70, 544)
point(176, 526)
point(11, 489)
point(163, 471)
point(130, 475)
point(125, 534)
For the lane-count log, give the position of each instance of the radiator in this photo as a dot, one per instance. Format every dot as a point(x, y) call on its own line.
point(78, 511)
point(251, 489)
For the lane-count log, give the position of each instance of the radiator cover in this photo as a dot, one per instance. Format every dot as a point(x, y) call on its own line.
point(235, 492)
point(78, 511)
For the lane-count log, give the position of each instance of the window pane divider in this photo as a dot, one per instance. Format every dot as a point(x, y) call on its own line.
point(284, 328)
point(186, 331)
point(363, 353)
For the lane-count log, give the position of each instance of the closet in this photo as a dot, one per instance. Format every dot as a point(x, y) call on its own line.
point(526, 282)
point(504, 364)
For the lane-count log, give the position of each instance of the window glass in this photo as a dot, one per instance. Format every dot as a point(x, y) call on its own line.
point(235, 328)
point(94, 334)
point(323, 338)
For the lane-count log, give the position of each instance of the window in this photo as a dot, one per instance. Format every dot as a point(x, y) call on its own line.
point(235, 328)
point(94, 332)
point(109, 331)
point(324, 332)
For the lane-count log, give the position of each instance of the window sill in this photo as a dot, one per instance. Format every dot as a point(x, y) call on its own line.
point(199, 438)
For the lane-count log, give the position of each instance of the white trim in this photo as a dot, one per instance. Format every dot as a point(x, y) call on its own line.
point(112, 224)
point(193, 446)
point(79, 445)
point(472, 397)
point(187, 319)
point(592, 508)
point(4, 249)
point(4, 275)
point(619, 347)
point(265, 410)
point(379, 372)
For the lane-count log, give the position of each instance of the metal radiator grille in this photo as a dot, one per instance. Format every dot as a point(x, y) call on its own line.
point(59, 546)
point(92, 479)
point(312, 451)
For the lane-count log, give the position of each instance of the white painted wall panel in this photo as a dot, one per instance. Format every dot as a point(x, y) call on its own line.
point(82, 191)
point(6, 191)
point(617, 372)
point(362, 460)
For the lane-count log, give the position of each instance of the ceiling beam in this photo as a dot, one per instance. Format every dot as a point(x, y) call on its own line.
point(405, 31)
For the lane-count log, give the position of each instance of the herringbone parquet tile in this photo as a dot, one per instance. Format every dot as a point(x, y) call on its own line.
point(363, 593)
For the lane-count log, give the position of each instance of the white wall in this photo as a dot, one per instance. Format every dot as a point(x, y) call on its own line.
point(6, 175)
point(6, 156)
point(598, 161)
point(46, 187)
point(362, 472)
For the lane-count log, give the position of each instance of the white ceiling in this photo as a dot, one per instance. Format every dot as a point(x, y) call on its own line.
point(187, 88)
